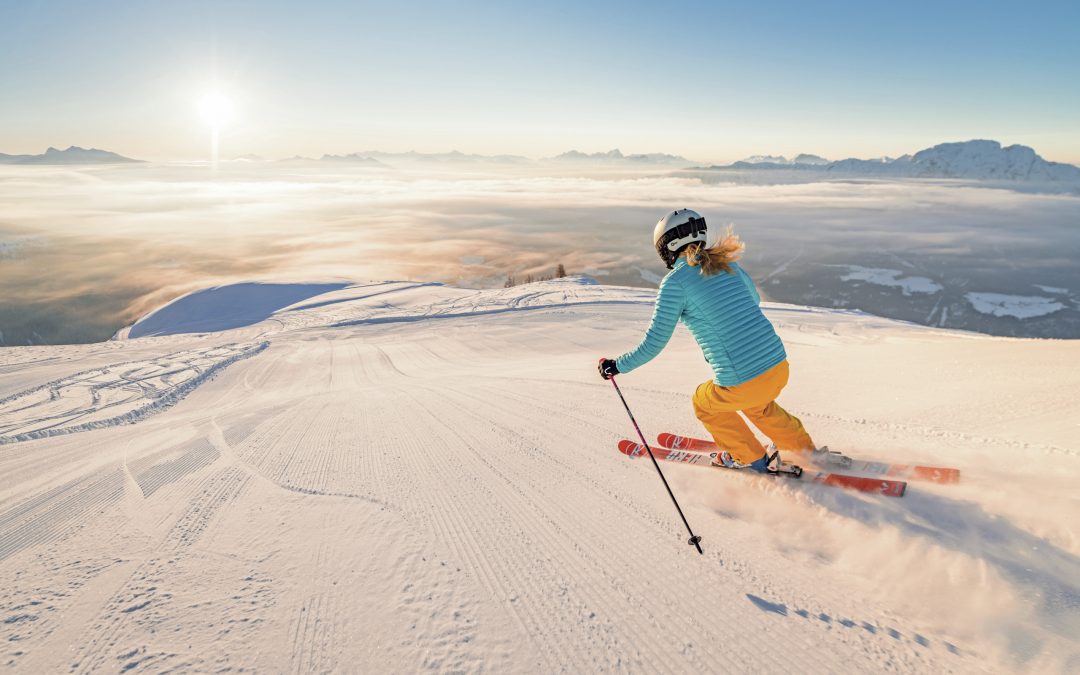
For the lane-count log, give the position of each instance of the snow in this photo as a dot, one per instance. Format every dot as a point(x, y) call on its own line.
point(1053, 290)
point(616, 156)
point(397, 476)
point(983, 160)
point(766, 159)
point(891, 278)
point(988, 160)
point(649, 276)
point(225, 307)
point(1020, 306)
point(801, 159)
point(115, 394)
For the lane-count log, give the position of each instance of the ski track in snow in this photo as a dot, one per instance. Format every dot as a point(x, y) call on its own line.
point(364, 488)
point(112, 395)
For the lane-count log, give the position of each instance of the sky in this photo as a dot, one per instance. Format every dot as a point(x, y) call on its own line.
point(712, 81)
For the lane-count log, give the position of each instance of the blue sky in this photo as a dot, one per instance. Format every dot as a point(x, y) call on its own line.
point(713, 81)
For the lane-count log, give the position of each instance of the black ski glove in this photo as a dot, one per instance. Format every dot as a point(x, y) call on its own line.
point(607, 368)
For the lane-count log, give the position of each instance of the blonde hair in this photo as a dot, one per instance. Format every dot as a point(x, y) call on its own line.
point(719, 257)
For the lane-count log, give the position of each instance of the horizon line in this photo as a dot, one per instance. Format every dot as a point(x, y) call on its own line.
point(372, 153)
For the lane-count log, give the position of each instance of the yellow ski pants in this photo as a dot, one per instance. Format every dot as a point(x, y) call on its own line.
point(718, 409)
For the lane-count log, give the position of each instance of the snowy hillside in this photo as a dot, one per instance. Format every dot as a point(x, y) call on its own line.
point(399, 476)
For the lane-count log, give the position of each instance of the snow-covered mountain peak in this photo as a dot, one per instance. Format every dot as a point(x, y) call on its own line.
point(986, 159)
point(800, 159)
point(615, 156)
point(978, 159)
point(766, 159)
point(805, 158)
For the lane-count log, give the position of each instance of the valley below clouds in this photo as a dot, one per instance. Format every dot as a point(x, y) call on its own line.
point(86, 251)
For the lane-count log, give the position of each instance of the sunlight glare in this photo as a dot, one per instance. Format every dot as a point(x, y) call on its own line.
point(216, 109)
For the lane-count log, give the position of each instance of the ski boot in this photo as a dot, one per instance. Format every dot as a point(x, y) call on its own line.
point(775, 465)
point(762, 465)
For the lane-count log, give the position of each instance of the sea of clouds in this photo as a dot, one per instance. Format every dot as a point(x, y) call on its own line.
point(85, 251)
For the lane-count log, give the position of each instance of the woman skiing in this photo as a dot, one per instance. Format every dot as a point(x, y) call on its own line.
point(708, 291)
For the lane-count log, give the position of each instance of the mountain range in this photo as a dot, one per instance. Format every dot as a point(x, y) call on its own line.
point(617, 157)
point(73, 155)
point(813, 160)
point(973, 160)
point(377, 158)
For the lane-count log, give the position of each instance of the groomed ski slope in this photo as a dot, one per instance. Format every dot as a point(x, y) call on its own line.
point(401, 477)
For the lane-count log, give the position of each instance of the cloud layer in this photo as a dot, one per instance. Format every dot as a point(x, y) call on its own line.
point(83, 252)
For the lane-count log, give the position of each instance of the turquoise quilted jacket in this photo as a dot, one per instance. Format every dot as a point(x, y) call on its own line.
point(722, 314)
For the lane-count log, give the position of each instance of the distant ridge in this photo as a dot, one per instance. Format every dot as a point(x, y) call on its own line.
point(73, 155)
point(616, 156)
point(353, 158)
point(775, 159)
point(378, 158)
point(372, 157)
point(452, 156)
point(974, 160)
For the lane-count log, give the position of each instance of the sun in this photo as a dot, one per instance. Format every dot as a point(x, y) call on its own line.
point(216, 109)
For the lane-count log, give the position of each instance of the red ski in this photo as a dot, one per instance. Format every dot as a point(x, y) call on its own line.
point(889, 488)
point(933, 474)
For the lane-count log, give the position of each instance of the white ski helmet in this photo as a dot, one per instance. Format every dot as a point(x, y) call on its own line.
point(680, 228)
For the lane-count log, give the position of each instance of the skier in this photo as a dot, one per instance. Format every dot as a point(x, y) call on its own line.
point(709, 292)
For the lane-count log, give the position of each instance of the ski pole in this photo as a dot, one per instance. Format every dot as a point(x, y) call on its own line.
point(695, 540)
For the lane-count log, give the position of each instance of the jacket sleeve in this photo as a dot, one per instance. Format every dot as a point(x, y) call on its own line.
point(749, 283)
point(670, 302)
